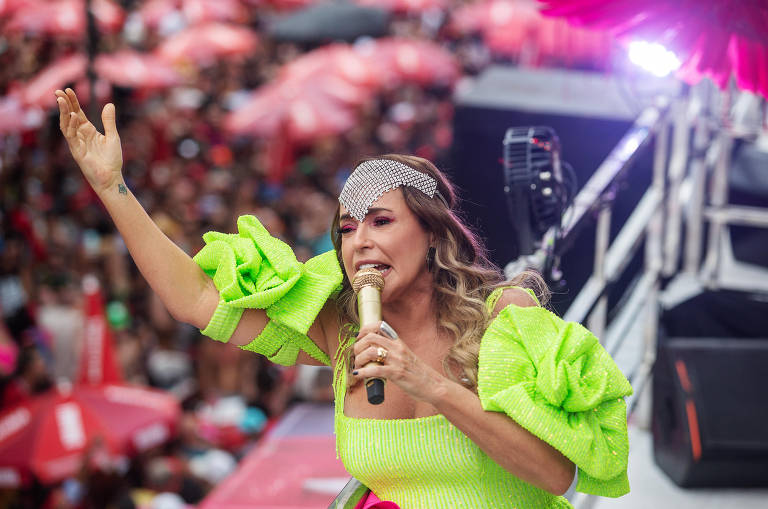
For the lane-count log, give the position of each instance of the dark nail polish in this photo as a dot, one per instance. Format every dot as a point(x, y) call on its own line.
point(354, 372)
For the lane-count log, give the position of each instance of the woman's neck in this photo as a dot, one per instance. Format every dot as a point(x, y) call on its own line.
point(414, 317)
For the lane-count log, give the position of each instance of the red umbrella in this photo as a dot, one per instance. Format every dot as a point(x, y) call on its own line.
point(203, 44)
point(129, 68)
point(64, 17)
point(97, 361)
point(405, 5)
point(46, 436)
point(39, 90)
point(717, 38)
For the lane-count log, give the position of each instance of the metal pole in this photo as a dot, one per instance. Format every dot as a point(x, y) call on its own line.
point(718, 201)
point(599, 315)
point(695, 219)
point(91, 47)
point(677, 166)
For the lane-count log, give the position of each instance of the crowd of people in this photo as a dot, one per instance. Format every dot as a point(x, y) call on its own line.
point(191, 178)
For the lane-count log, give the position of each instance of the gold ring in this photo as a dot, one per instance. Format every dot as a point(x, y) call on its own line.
point(381, 354)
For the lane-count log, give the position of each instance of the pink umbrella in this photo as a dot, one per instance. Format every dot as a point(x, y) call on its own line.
point(203, 44)
point(8, 7)
point(203, 11)
point(64, 17)
point(414, 61)
point(129, 68)
point(300, 112)
point(39, 90)
point(341, 60)
point(718, 38)
point(405, 5)
point(316, 95)
point(517, 28)
point(194, 11)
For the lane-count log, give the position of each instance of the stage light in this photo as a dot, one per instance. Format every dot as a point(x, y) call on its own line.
point(538, 190)
point(653, 57)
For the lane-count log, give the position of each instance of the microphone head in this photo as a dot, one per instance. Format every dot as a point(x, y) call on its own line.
point(368, 277)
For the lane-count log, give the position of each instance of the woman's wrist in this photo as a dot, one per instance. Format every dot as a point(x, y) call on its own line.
point(115, 187)
point(443, 392)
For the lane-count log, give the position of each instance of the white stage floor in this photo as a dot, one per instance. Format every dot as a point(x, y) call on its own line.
point(651, 489)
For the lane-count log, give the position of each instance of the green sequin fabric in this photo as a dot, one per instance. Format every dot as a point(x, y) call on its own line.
point(252, 269)
point(556, 380)
point(550, 376)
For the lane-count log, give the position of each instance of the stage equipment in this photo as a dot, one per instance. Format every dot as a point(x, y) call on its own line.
point(592, 114)
point(537, 191)
point(709, 404)
point(368, 284)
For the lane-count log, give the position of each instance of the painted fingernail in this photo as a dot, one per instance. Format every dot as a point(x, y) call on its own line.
point(354, 372)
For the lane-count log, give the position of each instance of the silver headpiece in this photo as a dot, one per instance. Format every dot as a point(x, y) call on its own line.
point(371, 179)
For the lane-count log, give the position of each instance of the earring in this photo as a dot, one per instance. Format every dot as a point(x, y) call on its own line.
point(430, 258)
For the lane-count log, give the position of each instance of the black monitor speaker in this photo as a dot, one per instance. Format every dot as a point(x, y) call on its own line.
point(710, 394)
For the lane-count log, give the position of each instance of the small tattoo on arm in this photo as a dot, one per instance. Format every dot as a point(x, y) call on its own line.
point(121, 189)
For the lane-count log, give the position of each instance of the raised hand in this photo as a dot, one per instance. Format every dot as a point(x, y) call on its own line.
point(99, 156)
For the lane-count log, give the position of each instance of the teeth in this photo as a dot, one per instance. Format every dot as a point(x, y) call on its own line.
point(368, 266)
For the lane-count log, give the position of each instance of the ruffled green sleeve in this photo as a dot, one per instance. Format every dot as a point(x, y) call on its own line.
point(252, 269)
point(556, 380)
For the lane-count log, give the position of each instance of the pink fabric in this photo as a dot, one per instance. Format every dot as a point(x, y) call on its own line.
point(717, 39)
point(373, 502)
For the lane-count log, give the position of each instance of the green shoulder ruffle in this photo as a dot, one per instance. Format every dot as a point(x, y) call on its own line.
point(556, 380)
point(252, 269)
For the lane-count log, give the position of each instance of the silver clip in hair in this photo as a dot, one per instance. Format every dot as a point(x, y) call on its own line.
point(371, 179)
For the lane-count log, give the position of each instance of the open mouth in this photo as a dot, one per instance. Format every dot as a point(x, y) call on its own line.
point(383, 268)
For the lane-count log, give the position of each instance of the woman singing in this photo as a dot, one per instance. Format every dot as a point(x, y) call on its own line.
point(491, 401)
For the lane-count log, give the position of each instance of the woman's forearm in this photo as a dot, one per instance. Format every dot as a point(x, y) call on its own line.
point(185, 290)
point(506, 442)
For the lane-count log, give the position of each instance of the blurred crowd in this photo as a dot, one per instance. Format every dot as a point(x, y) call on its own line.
point(191, 178)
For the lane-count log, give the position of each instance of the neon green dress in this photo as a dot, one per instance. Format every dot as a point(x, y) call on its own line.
point(550, 376)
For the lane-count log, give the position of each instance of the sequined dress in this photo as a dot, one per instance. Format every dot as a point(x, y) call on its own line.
point(552, 377)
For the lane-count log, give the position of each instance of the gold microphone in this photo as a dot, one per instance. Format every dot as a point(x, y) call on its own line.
point(368, 284)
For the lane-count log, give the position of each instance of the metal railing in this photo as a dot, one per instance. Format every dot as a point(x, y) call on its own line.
point(687, 196)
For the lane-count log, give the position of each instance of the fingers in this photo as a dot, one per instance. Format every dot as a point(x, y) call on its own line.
point(371, 354)
point(108, 120)
point(74, 103)
point(63, 112)
point(372, 338)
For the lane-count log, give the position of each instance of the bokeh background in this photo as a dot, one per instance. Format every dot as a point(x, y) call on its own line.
point(230, 107)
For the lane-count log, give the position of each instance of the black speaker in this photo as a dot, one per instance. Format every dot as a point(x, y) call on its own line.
point(710, 395)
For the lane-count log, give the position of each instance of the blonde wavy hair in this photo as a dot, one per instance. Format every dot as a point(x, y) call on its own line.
point(463, 275)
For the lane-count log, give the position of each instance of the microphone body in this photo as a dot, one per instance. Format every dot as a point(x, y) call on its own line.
point(368, 284)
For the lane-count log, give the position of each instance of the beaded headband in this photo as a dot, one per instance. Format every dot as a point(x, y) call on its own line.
point(371, 179)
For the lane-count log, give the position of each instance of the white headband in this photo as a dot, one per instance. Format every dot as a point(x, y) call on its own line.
point(371, 179)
